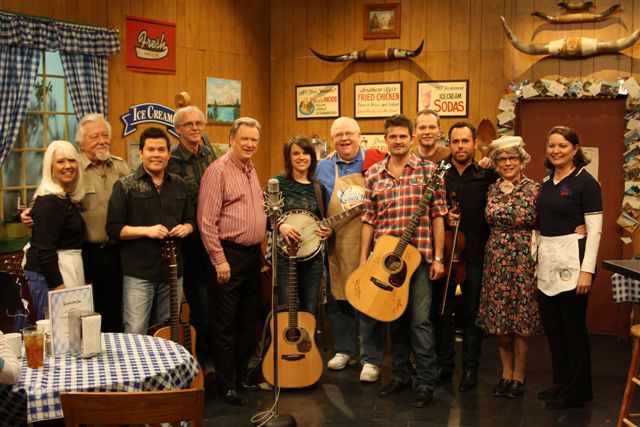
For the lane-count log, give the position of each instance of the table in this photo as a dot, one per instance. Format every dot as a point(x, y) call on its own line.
point(626, 267)
point(128, 362)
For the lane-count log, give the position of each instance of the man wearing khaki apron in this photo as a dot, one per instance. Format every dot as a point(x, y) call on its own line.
point(341, 175)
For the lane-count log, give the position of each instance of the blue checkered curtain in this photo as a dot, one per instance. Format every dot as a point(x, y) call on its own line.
point(18, 68)
point(87, 77)
point(83, 50)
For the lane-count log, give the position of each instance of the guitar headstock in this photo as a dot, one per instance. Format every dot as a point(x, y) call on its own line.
point(438, 175)
point(169, 250)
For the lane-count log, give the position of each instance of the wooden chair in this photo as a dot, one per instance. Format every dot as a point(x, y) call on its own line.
point(147, 407)
point(624, 419)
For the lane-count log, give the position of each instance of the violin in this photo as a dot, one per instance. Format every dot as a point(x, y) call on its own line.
point(454, 240)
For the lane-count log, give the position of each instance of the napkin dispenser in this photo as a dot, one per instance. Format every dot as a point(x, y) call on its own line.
point(84, 333)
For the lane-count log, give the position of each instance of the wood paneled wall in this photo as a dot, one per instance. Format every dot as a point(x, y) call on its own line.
point(215, 38)
point(464, 40)
point(265, 44)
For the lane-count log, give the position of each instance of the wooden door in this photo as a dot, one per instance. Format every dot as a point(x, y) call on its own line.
point(599, 123)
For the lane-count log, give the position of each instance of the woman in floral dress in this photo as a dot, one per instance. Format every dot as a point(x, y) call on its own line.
point(508, 307)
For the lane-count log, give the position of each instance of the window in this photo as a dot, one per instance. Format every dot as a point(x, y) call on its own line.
point(50, 116)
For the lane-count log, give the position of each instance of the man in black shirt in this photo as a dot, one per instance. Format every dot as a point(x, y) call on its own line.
point(189, 159)
point(146, 207)
point(469, 182)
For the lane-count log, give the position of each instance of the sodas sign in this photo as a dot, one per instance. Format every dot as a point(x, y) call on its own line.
point(447, 98)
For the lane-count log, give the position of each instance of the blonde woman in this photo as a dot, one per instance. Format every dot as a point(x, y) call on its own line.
point(54, 256)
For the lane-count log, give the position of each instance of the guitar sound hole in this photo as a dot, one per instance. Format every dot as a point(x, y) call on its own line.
point(292, 334)
point(393, 263)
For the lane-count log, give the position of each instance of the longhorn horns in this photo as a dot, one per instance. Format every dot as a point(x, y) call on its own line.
point(371, 55)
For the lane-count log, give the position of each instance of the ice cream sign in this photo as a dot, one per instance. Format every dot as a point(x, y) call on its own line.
point(150, 45)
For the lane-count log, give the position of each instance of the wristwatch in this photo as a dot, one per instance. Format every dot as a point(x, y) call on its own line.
point(438, 258)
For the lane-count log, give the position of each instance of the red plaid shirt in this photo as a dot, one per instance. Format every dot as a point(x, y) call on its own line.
point(390, 202)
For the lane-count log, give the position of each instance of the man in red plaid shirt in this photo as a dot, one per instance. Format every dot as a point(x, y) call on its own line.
point(393, 189)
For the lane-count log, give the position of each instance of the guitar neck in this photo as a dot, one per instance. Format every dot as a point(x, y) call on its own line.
point(174, 310)
point(333, 220)
point(408, 233)
point(293, 291)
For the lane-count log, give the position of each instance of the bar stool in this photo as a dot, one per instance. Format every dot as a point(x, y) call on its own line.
point(632, 381)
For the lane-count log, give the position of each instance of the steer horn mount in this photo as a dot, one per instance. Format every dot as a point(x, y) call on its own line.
point(371, 55)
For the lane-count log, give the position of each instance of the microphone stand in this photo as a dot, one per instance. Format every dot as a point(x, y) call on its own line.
point(273, 210)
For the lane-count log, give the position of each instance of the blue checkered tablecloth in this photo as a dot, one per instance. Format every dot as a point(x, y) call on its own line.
point(128, 363)
point(625, 289)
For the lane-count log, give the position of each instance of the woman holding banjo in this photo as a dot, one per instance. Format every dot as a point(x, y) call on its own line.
point(302, 209)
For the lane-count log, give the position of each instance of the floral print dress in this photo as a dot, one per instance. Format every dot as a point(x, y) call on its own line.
point(507, 301)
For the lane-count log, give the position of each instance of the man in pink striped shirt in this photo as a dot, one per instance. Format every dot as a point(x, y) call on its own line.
point(232, 224)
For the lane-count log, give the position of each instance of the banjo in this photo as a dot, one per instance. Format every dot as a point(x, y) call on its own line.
point(307, 223)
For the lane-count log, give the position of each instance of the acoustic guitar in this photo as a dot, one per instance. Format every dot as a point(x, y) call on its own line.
point(299, 361)
point(379, 288)
point(182, 333)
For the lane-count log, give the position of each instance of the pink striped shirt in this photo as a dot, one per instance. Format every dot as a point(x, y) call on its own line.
point(230, 206)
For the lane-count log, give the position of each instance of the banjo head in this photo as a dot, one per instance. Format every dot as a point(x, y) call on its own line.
point(306, 223)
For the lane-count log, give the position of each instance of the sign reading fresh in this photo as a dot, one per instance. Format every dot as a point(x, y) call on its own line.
point(150, 45)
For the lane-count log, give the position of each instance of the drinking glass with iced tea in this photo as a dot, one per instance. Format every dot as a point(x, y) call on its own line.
point(34, 346)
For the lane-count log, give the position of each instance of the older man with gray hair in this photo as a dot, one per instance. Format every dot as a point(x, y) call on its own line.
point(233, 224)
point(189, 160)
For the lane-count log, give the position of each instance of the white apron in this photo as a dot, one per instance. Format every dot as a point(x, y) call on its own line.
point(71, 268)
point(558, 263)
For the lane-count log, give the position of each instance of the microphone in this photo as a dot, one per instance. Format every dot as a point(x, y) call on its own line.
point(273, 198)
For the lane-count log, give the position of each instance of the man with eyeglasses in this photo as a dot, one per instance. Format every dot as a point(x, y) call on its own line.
point(100, 255)
point(189, 160)
point(394, 189)
point(341, 176)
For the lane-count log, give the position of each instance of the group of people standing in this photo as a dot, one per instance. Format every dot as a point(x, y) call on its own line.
point(516, 282)
point(95, 221)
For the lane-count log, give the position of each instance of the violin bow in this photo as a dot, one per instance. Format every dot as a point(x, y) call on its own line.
point(443, 300)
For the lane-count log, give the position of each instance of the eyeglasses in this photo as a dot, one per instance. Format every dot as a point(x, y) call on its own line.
point(511, 159)
point(192, 125)
point(341, 135)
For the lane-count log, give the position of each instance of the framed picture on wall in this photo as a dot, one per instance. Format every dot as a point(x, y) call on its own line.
point(223, 100)
point(373, 140)
point(448, 98)
point(382, 21)
point(318, 101)
point(133, 154)
point(377, 100)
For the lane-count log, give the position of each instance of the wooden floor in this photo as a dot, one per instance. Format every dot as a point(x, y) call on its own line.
point(340, 398)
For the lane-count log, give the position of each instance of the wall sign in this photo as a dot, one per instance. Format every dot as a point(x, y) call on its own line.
point(150, 45)
point(373, 140)
point(148, 113)
point(374, 100)
point(317, 102)
point(447, 98)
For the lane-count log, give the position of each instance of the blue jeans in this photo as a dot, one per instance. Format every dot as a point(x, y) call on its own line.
point(139, 297)
point(39, 293)
point(343, 317)
point(309, 275)
point(414, 330)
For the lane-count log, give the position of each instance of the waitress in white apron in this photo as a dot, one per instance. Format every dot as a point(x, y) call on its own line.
point(569, 196)
point(54, 254)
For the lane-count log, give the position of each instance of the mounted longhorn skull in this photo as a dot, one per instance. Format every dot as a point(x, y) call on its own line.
point(571, 47)
point(371, 55)
point(578, 17)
